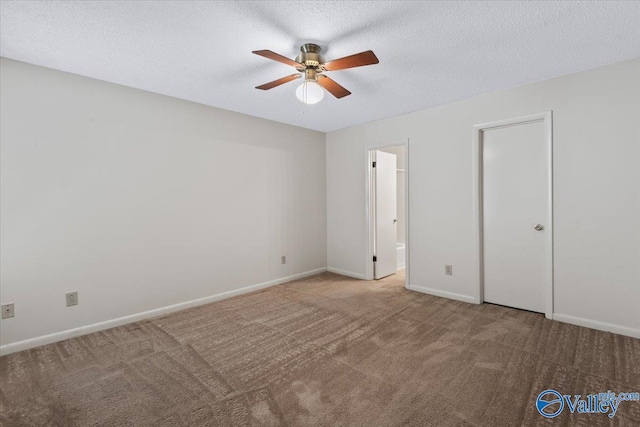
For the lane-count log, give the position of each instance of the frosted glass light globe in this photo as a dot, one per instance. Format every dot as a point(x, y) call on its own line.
point(310, 92)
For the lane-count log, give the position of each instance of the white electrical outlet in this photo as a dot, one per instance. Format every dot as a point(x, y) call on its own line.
point(72, 298)
point(8, 310)
point(283, 259)
point(448, 270)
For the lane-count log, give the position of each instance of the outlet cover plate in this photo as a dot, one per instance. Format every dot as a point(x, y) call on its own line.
point(72, 298)
point(8, 310)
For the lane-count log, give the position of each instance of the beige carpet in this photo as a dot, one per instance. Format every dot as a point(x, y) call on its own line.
point(327, 350)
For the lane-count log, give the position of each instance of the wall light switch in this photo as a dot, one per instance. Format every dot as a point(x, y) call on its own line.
point(448, 270)
point(7, 311)
point(283, 259)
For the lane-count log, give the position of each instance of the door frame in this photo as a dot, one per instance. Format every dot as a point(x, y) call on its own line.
point(547, 119)
point(369, 206)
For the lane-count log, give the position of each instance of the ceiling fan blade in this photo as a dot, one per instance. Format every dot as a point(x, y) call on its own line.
point(277, 57)
point(279, 82)
point(334, 88)
point(357, 60)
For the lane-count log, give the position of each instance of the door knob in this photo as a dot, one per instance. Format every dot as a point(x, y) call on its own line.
point(539, 227)
point(395, 220)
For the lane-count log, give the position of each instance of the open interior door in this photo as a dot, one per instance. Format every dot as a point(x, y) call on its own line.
point(385, 249)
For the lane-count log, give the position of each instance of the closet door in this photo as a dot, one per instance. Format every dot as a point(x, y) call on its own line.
point(515, 213)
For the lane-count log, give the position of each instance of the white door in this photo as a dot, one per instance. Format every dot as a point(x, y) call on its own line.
point(515, 212)
point(386, 215)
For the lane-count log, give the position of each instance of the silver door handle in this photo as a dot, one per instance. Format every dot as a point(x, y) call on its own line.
point(539, 227)
point(395, 220)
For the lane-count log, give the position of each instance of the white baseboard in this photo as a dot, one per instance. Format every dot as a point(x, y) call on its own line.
point(346, 273)
point(594, 324)
point(95, 327)
point(579, 321)
point(443, 294)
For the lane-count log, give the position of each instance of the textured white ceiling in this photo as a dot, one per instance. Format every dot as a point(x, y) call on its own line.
point(430, 53)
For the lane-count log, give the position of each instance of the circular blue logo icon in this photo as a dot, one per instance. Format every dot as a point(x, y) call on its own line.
point(547, 406)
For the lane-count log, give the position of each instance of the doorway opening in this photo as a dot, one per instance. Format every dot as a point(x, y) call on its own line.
point(387, 207)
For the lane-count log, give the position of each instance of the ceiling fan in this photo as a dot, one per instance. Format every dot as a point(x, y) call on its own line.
point(313, 65)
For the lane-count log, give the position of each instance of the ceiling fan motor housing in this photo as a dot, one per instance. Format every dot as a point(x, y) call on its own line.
point(310, 56)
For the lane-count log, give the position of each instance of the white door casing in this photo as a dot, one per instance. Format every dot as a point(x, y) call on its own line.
point(385, 175)
point(513, 192)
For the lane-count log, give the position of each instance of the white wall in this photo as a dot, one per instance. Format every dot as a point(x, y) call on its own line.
point(596, 125)
point(140, 201)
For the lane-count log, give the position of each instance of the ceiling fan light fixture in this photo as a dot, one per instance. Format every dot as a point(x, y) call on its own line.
point(310, 92)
